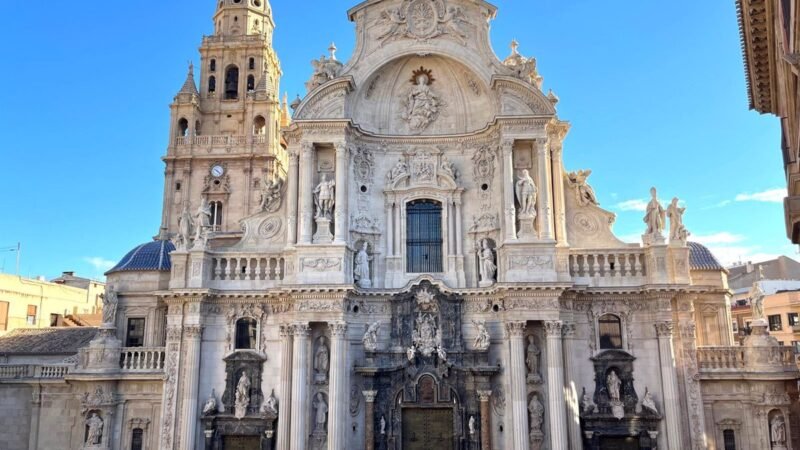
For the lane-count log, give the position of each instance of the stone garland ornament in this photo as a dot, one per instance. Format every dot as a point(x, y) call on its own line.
point(355, 401)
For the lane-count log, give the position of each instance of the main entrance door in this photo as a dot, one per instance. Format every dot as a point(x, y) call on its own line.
point(619, 443)
point(427, 428)
point(242, 443)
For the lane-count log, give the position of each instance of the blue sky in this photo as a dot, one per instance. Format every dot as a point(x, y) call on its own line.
point(655, 93)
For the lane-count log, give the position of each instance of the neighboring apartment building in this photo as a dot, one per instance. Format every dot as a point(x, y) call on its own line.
point(36, 303)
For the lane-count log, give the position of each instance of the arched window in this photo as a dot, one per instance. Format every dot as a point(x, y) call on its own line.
point(197, 128)
point(610, 327)
point(259, 125)
point(246, 333)
point(212, 65)
point(232, 83)
point(216, 216)
point(183, 127)
point(252, 64)
point(251, 83)
point(729, 438)
point(424, 237)
point(137, 439)
point(212, 84)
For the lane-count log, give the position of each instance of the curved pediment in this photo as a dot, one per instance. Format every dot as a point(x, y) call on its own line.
point(520, 98)
point(328, 101)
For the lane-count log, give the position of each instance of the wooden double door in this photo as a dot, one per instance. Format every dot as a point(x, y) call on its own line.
point(427, 428)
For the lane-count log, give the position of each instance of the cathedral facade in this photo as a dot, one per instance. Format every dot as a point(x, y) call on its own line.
point(404, 263)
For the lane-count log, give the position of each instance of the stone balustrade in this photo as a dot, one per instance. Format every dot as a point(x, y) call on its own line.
point(246, 271)
point(219, 141)
point(142, 359)
point(234, 38)
point(743, 359)
point(34, 371)
point(607, 267)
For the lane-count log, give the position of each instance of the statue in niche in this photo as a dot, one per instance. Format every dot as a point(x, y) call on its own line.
point(482, 340)
point(110, 303)
point(325, 197)
point(648, 403)
point(321, 362)
point(95, 432)
point(271, 194)
point(271, 403)
point(613, 384)
point(654, 216)
point(471, 425)
point(525, 190)
point(426, 337)
point(242, 399)
point(370, 339)
point(448, 168)
point(532, 361)
point(202, 220)
point(535, 414)
point(383, 425)
point(421, 106)
point(777, 432)
point(583, 191)
point(677, 232)
point(400, 169)
point(321, 416)
point(185, 224)
point(487, 264)
point(411, 352)
point(210, 406)
point(361, 271)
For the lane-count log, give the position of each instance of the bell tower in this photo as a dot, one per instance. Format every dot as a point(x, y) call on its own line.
point(225, 133)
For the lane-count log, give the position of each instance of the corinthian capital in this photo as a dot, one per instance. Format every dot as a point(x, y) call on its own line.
point(552, 328)
point(515, 329)
point(301, 330)
point(192, 331)
point(664, 329)
point(338, 329)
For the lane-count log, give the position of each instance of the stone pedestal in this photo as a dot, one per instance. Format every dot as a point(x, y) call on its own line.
point(653, 239)
point(527, 228)
point(103, 353)
point(323, 234)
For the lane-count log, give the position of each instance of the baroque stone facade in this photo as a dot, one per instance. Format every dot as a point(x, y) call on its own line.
point(406, 264)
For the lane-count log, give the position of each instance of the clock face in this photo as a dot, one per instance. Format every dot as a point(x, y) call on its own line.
point(217, 171)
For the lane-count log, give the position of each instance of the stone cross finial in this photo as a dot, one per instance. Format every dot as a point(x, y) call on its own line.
point(191, 67)
point(514, 47)
point(332, 50)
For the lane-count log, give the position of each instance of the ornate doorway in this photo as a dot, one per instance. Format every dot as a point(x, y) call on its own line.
point(620, 443)
point(427, 428)
point(242, 443)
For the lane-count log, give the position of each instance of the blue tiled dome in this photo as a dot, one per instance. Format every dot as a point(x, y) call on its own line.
point(150, 256)
point(701, 258)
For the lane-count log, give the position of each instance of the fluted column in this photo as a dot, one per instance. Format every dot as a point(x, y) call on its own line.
point(306, 192)
point(291, 198)
point(555, 385)
point(299, 386)
point(340, 212)
point(508, 190)
point(459, 230)
point(191, 351)
point(556, 132)
point(389, 228)
point(285, 389)
point(669, 384)
point(545, 192)
point(519, 400)
point(486, 420)
point(337, 418)
point(570, 389)
point(369, 419)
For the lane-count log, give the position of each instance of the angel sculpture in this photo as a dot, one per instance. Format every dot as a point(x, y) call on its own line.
point(210, 406)
point(583, 191)
point(271, 192)
point(483, 338)
point(648, 403)
point(453, 23)
point(185, 224)
point(393, 20)
point(677, 231)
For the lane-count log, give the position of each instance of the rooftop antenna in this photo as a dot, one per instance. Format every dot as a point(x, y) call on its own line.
point(17, 249)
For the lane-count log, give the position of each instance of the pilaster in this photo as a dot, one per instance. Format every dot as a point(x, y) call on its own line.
point(337, 419)
point(555, 385)
point(486, 420)
point(191, 339)
point(669, 383)
point(570, 390)
point(291, 197)
point(285, 389)
point(306, 191)
point(508, 190)
point(300, 332)
point(340, 208)
point(369, 419)
point(517, 369)
point(545, 192)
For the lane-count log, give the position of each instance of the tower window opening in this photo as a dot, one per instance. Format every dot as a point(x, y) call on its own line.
point(259, 126)
point(212, 66)
point(197, 128)
point(610, 332)
point(216, 216)
point(246, 333)
point(212, 84)
point(251, 83)
point(252, 64)
point(232, 83)
point(183, 127)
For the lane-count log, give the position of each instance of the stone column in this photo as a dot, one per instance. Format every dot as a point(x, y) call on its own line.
point(285, 389)
point(669, 384)
point(291, 198)
point(555, 385)
point(306, 192)
point(159, 329)
point(369, 419)
point(299, 386)
point(389, 228)
point(340, 208)
point(508, 190)
point(191, 351)
point(573, 409)
point(557, 164)
point(545, 192)
point(337, 389)
point(519, 393)
point(486, 423)
point(459, 230)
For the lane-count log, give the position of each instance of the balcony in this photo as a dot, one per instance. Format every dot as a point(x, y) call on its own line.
point(767, 361)
point(219, 144)
point(608, 267)
point(142, 359)
point(34, 371)
point(247, 271)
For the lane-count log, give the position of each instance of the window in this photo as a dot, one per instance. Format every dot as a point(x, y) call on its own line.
point(135, 337)
point(251, 83)
point(232, 83)
point(216, 216)
point(212, 66)
point(794, 320)
point(3, 316)
point(424, 237)
point(610, 327)
point(137, 439)
point(796, 346)
point(775, 322)
point(212, 84)
point(729, 439)
point(735, 326)
point(246, 333)
point(259, 126)
point(56, 320)
point(31, 316)
point(183, 127)
point(252, 64)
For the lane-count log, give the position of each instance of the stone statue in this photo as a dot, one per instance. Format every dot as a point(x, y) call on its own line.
point(532, 360)
point(654, 216)
point(110, 302)
point(210, 406)
point(488, 266)
point(777, 431)
point(441, 353)
point(471, 425)
point(587, 404)
point(648, 403)
point(322, 361)
point(95, 433)
point(271, 403)
point(677, 232)
point(757, 301)
point(370, 339)
point(535, 413)
point(271, 194)
point(483, 338)
point(400, 169)
point(448, 168)
point(421, 106)
point(525, 190)
point(361, 271)
point(411, 352)
point(325, 69)
point(425, 336)
point(202, 220)
point(583, 191)
point(325, 197)
point(321, 416)
point(613, 384)
point(383, 425)
point(242, 400)
point(185, 224)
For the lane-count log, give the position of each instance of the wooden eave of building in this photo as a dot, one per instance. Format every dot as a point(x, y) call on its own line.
point(757, 33)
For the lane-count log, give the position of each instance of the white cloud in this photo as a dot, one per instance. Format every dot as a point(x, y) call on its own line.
point(769, 196)
point(99, 264)
point(632, 205)
point(734, 254)
point(717, 238)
